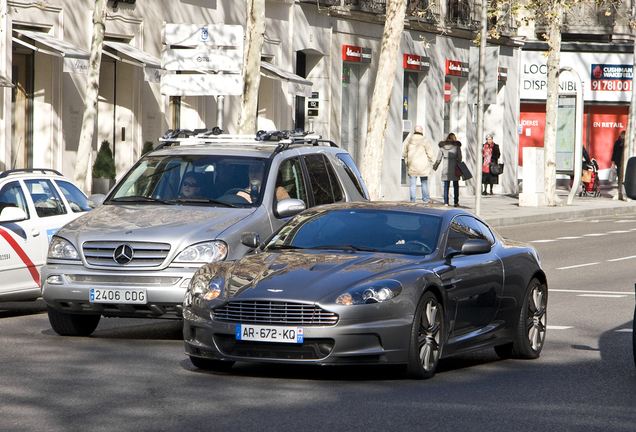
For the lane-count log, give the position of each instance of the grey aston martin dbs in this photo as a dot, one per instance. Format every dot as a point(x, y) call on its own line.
point(373, 282)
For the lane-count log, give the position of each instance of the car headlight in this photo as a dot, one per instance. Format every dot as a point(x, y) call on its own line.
point(203, 253)
point(202, 288)
point(371, 292)
point(62, 249)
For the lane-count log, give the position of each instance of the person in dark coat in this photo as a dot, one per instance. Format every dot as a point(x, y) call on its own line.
point(449, 156)
point(491, 155)
point(617, 155)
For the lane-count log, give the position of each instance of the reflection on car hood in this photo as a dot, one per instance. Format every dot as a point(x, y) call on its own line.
point(305, 276)
point(153, 223)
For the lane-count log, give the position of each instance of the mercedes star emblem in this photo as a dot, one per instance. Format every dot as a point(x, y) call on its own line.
point(123, 254)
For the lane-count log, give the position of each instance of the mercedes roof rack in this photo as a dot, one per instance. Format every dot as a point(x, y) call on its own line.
point(30, 170)
point(281, 139)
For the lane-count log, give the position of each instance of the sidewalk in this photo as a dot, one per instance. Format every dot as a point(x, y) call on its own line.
point(504, 210)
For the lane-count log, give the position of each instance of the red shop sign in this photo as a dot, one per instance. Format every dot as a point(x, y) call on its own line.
point(453, 67)
point(412, 61)
point(351, 53)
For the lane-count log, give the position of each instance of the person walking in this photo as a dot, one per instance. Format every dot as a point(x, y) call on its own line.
point(617, 155)
point(418, 155)
point(450, 155)
point(491, 155)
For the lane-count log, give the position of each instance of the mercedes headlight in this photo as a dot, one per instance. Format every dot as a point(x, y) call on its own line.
point(371, 292)
point(62, 249)
point(203, 253)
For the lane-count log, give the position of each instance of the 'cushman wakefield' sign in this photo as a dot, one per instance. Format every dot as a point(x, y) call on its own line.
point(457, 68)
point(415, 62)
point(356, 54)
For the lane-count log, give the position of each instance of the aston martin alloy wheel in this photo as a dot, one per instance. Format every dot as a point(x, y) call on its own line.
point(530, 334)
point(427, 338)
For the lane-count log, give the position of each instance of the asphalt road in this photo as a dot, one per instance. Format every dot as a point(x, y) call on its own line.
point(132, 375)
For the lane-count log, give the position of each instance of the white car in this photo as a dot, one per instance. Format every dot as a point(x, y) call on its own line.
point(34, 204)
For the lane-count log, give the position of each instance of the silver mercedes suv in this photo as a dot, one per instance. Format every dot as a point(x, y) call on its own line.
point(183, 205)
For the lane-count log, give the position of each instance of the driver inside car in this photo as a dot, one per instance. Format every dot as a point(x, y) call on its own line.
point(190, 186)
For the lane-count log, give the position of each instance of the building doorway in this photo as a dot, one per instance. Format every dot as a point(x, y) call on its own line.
point(22, 111)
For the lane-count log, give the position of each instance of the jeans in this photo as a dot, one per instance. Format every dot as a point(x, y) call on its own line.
point(455, 191)
point(413, 187)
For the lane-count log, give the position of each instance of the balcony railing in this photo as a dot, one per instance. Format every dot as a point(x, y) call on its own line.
point(463, 14)
point(429, 11)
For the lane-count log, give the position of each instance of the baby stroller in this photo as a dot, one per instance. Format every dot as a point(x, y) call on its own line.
point(590, 180)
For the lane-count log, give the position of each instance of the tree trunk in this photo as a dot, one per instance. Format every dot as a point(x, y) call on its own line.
point(554, 64)
point(82, 167)
point(379, 111)
point(254, 31)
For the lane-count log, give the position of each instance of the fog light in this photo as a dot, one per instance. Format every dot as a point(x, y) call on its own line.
point(55, 280)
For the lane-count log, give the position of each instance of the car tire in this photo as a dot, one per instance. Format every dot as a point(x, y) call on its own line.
point(634, 336)
point(211, 365)
point(66, 324)
point(530, 334)
point(427, 338)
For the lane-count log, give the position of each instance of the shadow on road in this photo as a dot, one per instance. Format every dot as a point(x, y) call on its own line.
point(345, 372)
point(14, 309)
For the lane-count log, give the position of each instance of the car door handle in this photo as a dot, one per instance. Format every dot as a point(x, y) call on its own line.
point(35, 232)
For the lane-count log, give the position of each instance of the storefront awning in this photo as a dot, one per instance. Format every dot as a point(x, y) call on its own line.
point(60, 48)
point(296, 84)
point(141, 58)
point(5, 82)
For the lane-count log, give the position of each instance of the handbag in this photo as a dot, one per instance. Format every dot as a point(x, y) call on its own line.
point(587, 176)
point(496, 169)
point(458, 171)
point(464, 171)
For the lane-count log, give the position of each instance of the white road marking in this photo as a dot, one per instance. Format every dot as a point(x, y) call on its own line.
point(542, 241)
point(553, 327)
point(622, 259)
point(568, 238)
point(602, 295)
point(624, 330)
point(577, 266)
point(594, 235)
point(619, 232)
point(590, 292)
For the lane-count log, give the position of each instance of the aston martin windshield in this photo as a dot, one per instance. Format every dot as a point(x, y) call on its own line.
point(194, 179)
point(361, 230)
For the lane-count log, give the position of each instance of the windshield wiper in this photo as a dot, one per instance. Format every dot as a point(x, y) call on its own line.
point(288, 247)
point(202, 201)
point(138, 198)
point(350, 248)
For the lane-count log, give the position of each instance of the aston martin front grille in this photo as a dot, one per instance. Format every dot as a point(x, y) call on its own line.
point(144, 254)
point(274, 313)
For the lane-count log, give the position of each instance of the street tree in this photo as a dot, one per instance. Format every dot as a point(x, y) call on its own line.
point(254, 34)
point(380, 101)
point(92, 92)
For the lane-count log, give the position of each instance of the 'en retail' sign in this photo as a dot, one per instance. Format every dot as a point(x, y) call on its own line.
point(356, 54)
